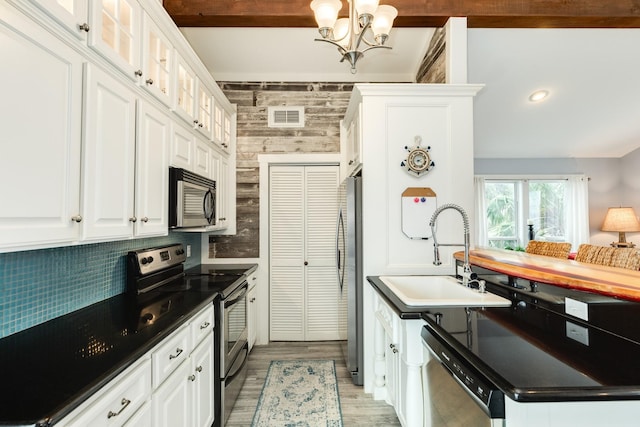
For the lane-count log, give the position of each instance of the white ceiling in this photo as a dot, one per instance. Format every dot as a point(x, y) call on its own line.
point(593, 76)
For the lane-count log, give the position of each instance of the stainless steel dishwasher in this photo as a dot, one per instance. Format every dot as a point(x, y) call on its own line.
point(456, 393)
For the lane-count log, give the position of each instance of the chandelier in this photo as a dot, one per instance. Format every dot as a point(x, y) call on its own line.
point(347, 34)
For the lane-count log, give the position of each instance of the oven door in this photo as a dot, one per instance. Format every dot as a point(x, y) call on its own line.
point(234, 326)
point(455, 394)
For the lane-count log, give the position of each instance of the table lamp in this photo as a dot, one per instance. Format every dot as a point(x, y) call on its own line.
point(622, 220)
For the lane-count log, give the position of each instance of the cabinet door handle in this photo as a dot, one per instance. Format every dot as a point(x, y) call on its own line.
point(178, 353)
point(77, 218)
point(138, 73)
point(252, 299)
point(124, 403)
point(205, 325)
point(195, 122)
point(144, 219)
point(199, 369)
point(133, 219)
point(84, 27)
point(192, 377)
point(149, 82)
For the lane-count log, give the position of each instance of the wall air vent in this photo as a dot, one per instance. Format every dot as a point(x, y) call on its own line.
point(286, 117)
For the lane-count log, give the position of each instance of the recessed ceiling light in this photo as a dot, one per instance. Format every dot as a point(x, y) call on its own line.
point(538, 95)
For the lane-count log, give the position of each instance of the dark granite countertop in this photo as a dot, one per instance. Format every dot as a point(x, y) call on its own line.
point(48, 370)
point(528, 351)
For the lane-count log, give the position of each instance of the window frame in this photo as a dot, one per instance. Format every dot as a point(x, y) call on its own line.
point(521, 195)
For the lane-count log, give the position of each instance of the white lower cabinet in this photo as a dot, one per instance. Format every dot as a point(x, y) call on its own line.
point(172, 385)
point(398, 363)
point(202, 379)
point(170, 402)
point(184, 380)
point(252, 310)
point(118, 402)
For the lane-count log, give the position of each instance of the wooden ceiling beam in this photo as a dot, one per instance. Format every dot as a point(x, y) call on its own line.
point(416, 13)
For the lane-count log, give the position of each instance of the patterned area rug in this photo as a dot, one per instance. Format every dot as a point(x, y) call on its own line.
point(300, 393)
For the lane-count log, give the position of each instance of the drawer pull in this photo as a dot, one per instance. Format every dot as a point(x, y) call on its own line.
point(178, 353)
point(205, 325)
point(199, 369)
point(192, 377)
point(124, 403)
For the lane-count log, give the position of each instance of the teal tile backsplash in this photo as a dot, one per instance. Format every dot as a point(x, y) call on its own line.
point(36, 286)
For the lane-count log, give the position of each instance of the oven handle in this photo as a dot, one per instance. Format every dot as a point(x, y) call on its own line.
point(231, 377)
point(243, 290)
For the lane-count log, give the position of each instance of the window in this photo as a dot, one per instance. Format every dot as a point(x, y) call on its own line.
point(511, 205)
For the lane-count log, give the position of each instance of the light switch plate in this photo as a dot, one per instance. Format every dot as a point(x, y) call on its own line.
point(576, 308)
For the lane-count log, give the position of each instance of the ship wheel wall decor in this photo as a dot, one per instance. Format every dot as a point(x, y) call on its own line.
point(418, 161)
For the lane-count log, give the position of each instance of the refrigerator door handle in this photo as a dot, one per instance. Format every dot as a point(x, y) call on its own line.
point(339, 266)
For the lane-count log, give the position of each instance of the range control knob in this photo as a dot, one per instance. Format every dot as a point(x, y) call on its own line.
point(179, 251)
point(147, 260)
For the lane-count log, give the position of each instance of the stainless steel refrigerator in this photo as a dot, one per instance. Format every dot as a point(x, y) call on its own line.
point(349, 268)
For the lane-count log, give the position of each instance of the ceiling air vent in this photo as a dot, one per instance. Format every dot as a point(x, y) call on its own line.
point(286, 117)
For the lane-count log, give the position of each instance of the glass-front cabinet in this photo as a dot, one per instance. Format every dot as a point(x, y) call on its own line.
point(205, 111)
point(115, 33)
point(185, 90)
point(157, 59)
point(72, 14)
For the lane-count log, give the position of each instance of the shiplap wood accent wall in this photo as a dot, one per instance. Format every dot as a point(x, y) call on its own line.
point(325, 105)
point(433, 68)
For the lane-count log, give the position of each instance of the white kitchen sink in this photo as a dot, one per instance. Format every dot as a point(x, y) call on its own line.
point(439, 291)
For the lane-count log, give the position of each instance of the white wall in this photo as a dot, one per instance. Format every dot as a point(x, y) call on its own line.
point(442, 115)
point(630, 171)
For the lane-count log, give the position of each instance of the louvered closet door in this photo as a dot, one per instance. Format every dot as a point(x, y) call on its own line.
point(304, 288)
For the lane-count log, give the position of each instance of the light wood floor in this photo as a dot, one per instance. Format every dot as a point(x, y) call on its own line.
point(358, 408)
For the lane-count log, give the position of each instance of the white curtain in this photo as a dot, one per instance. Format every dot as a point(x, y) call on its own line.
point(482, 239)
point(577, 211)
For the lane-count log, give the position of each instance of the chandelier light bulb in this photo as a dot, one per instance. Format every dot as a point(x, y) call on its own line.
point(326, 12)
point(341, 32)
point(349, 35)
point(383, 21)
point(366, 7)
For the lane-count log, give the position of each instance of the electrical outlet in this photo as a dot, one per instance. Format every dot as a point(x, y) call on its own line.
point(188, 251)
point(576, 308)
point(578, 333)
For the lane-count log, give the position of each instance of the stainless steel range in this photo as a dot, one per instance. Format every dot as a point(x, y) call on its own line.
point(156, 276)
point(232, 335)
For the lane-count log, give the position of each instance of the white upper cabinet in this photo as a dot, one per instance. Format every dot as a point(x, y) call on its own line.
point(185, 102)
point(41, 83)
point(109, 157)
point(157, 61)
point(72, 14)
point(204, 119)
point(115, 33)
point(350, 141)
point(183, 143)
point(104, 96)
point(152, 171)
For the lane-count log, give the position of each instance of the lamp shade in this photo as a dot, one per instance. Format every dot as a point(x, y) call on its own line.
point(341, 32)
point(326, 12)
point(621, 220)
point(383, 20)
point(366, 6)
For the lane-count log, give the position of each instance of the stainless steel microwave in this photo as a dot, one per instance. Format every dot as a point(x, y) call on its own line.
point(192, 199)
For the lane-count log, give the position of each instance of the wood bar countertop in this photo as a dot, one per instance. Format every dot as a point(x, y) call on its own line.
point(611, 281)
